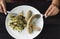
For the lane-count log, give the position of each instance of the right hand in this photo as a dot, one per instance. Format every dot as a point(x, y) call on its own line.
point(52, 10)
point(2, 6)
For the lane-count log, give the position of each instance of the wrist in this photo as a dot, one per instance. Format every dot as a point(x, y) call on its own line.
point(55, 5)
point(55, 2)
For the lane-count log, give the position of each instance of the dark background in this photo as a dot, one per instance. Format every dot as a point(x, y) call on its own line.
point(51, 29)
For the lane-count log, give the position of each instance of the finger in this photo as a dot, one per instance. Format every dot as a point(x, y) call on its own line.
point(55, 12)
point(51, 11)
point(48, 10)
point(1, 9)
point(4, 8)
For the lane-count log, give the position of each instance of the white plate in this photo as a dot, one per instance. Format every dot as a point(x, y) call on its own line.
point(24, 34)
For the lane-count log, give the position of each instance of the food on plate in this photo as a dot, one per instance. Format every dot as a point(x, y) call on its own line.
point(21, 13)
point(18, 22)
point(29, 14)
point(12, 16)
point(36, 28)
point(30, 22)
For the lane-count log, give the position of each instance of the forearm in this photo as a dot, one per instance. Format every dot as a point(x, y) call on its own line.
point(56, 2)
point(8, 0)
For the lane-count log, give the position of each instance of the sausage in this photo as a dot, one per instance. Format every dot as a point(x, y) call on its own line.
point(29, 14)
point(29, 23)
point(36, 28)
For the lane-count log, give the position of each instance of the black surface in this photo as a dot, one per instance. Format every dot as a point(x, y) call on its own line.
point(51, 29)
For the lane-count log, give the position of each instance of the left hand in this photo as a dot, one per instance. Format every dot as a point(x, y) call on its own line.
point(2, 6)
point(52, 10)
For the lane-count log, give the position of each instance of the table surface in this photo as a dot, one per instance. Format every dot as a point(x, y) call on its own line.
point(51, 29)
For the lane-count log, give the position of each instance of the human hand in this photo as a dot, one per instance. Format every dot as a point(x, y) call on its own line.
point(2, 6)
point(52, 10)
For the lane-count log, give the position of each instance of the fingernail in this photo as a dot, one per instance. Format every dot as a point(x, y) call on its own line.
point(46, 16)
point(5, 13)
